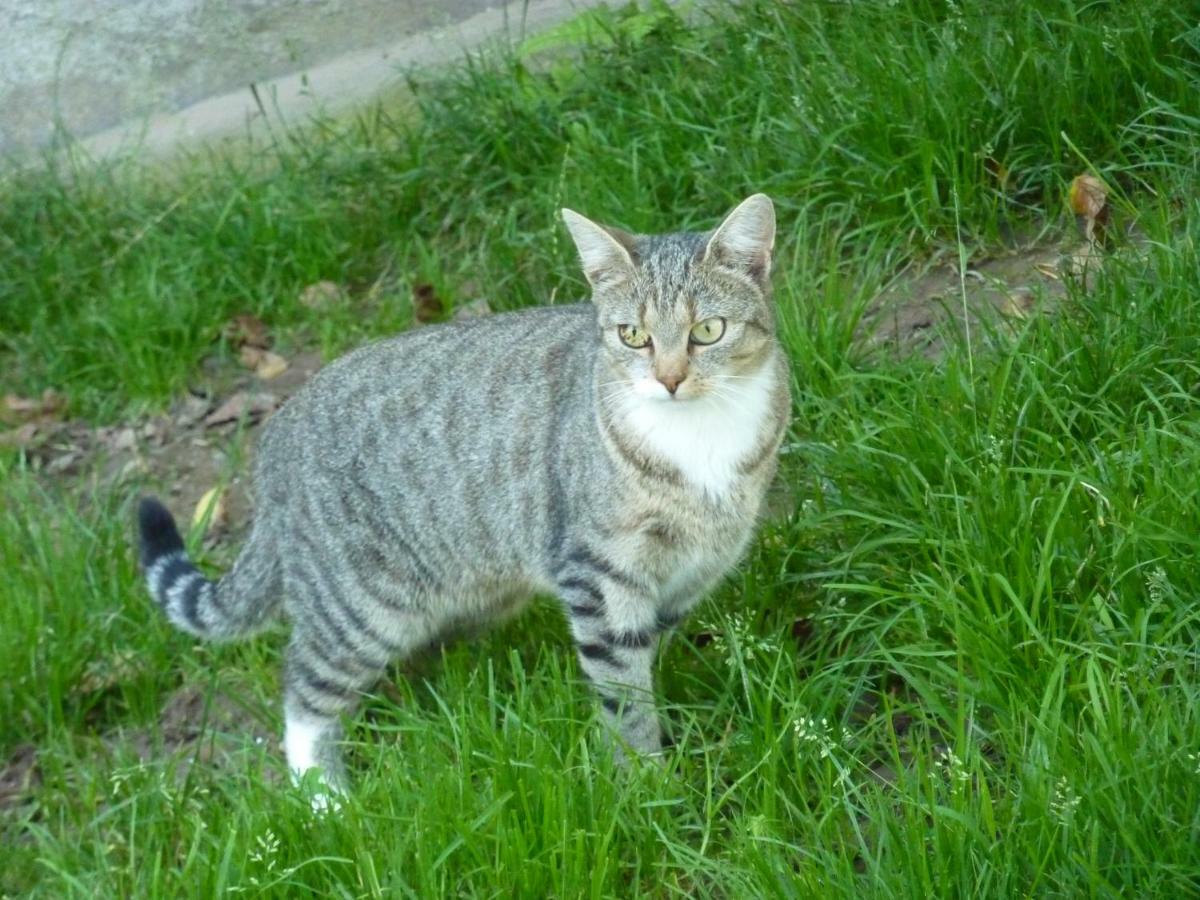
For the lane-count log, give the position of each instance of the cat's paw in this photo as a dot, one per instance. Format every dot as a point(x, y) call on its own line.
point(324, 795)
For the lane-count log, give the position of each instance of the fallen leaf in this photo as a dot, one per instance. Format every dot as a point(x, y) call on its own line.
point(252, 405)
point(49, 405)
point(121, 439)
point(1049, 270)
point(997, 170)
point(270, 365)
point(64, 462)
point(802, 630)
point(427, 305)
point(250, 356)
point(1088, 198)
point(191, 410)
point(102, 674)
point(155, 431)
point(247, 330)
point(320, 294)
point(18, 775)
point(1017, 304)
point(211, 512)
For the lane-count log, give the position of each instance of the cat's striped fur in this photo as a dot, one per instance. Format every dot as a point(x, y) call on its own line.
point(442, 477)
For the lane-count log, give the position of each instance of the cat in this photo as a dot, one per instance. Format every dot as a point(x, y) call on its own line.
point(614, 454)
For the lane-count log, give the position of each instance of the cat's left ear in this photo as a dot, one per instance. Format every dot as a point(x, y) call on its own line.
point(745, 239)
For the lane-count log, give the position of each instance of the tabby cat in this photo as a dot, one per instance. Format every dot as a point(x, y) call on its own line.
point(613, 454)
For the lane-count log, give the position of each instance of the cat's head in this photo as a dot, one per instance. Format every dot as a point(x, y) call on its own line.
point(682, 316)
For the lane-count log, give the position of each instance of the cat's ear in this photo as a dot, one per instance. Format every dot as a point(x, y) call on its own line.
point(745, 239)
point(606, 253)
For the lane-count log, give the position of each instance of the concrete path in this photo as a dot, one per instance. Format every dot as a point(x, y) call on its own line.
point(330, 86)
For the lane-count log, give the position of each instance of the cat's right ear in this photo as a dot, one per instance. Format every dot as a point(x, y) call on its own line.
point(606, 253)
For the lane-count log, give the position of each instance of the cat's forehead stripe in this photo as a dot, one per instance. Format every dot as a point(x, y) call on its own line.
point(667, 262)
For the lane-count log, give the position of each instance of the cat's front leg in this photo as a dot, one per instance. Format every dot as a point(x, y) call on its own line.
point(616, 631)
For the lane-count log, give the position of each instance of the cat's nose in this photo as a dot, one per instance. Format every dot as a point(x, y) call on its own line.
point(671, 382)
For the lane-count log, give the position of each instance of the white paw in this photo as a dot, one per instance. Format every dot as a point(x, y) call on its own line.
point(323, 796)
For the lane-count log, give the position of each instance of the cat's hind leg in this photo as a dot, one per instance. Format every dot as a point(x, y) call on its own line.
point(327, 671)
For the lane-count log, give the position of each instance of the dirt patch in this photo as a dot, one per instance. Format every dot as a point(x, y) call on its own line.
point(206, 438)
point(197, 724)
point(927, 310)
point(19, 777)
point(215, 727)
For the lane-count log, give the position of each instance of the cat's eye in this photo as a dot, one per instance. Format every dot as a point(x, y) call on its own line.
point(708, 332)
point(632, 336)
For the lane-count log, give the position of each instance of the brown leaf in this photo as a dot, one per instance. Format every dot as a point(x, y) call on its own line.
point(1017, 304)
point(321, 294)
point(1087, 195)
point(247, 331)
point(997, 170)
point(802, 630)
point(18, 775)
point(427, 305)
point(191, 410)
point(250, 356)
point(102, 674)
point(1088, 198)
point(270, 365)
point(47, 406)
point(252, 405)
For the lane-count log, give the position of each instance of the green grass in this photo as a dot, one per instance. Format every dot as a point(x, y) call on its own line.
point(993, 559)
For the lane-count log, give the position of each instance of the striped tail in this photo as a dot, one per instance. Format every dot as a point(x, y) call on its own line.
point(238, 605)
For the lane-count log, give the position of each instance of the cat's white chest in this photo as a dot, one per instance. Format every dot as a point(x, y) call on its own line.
point(709, 438)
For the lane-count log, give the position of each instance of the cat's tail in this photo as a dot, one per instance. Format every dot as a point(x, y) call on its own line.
point(238, 605)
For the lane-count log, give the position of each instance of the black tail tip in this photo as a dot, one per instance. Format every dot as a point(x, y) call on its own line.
point(157, 534)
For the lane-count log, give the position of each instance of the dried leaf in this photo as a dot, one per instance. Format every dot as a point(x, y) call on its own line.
point(120, 439)
point(252, 405)
point(1049, 270)
point(103, 674)
point(247, 331)
point(321, 294)
point(427, 305)
point(250, 356)
point(64, 462)
point(1087, 195)
point(211, 512)
point(802, 630)
point(1088, 198)
point(1017, 304)
point(18, 775)
point(191, 410)
point(997, 170)
point(47, 406)
point(270, 365)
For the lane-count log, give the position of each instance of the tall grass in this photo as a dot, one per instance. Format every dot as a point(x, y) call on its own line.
point(962, 663)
